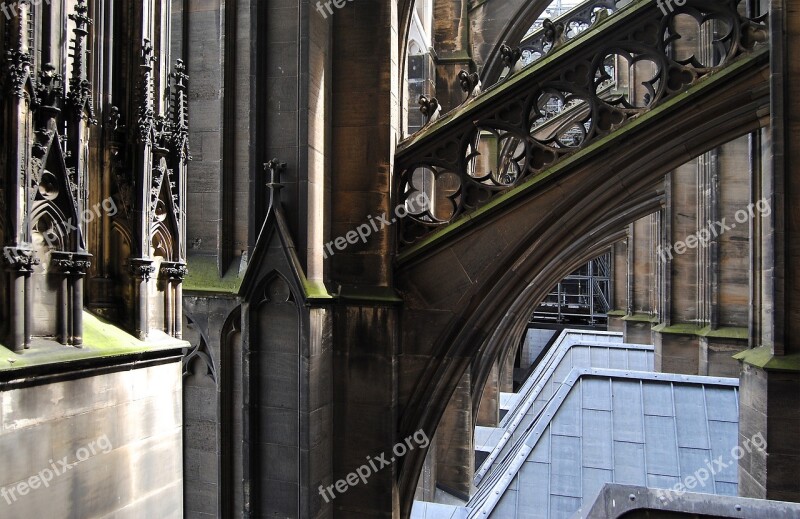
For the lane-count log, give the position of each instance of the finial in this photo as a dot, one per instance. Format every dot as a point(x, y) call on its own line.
point(275, 168)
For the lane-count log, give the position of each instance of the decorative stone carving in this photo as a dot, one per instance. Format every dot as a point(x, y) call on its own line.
point(71, 262)
point(173, 271)
point(457, 172)
point(20, 259)
point(141, 268)
point(430, 108)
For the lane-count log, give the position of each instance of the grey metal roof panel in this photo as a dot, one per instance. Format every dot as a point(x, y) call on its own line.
point(597, 394)
point(617, 501)
point(597, 443)
point(720, 405)
point(572, 448)
point(486, 438)
point(507, 400)
point(693, 426)
point(661, 448)
point(547, 379)
point(563, 342)
point(628, 426)
point(565, 466)
point(423, 510)
point(719, 435)
point(628, 460)
point(657, 400)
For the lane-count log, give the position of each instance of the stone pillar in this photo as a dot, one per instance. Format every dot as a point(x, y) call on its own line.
point(770, 381)
point(172, 275)
point(364, 427)
point(81, 267)
point(365, 85)
point(19, 265)
point(455, 443)
point(675, 338)
point(489, 408)
point(426, 485)
point(451, 33)
point(619, 286)
point(140, 270)
point(641, 281)
point(507, 370)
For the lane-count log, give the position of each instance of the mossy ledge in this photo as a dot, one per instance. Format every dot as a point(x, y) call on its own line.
point(101, 340)
point(762, 357)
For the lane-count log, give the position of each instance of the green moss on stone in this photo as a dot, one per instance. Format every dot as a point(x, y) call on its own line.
point(763, 358)
point(379, 295)
point(315, 290)
point(100, 339)
point(728, 332)
point(203, 276)
point(641, 318)
point(678, 329)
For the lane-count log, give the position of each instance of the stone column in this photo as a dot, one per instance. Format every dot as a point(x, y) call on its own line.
point(770, 380)
point(682, 268)
point(172, 275)
point(507, 370)
point(455, 443)
point(451, 33)
point(641, 282)
point(619, 286)
point(19, 265)
point(79, 273)
point(365, 84)
point(489, 408)
point(140, 270)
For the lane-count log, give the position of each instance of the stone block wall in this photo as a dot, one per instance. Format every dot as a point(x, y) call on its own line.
point(104, 445)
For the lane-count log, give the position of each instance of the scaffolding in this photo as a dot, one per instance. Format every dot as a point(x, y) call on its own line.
point(582, 298)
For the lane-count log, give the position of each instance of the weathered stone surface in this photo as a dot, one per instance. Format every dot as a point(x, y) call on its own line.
point(123, 446)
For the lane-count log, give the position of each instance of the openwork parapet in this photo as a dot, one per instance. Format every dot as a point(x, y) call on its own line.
point(634, 61)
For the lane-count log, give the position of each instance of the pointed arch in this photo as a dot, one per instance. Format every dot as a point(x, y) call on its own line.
point(231, 416)
point(162, 242)
point(49, 221)
point(200, 351)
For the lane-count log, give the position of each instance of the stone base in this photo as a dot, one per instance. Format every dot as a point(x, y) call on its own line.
point(637, 332)
point(120, 427)
point(615, 324)
point(677, 353)
point(769, 417)
point(716, 356)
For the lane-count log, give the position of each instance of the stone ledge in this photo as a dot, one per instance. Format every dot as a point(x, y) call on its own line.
point(640, 318)
point(729, 332)
point(203, 276)
point(105, 345)
point(369, 295)
point(762, 357)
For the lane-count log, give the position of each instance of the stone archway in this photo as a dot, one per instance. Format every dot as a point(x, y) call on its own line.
point(459, 288)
